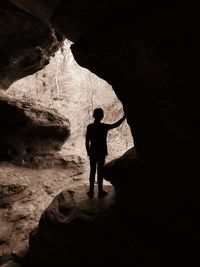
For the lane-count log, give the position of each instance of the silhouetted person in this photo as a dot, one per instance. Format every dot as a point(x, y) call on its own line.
point(96, 147)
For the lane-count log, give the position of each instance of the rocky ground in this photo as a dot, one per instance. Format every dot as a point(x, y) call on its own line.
point(24, 194)
point(74, 229)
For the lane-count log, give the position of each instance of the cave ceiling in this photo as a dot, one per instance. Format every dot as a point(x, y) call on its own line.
point(148, 53)
point(35, 28)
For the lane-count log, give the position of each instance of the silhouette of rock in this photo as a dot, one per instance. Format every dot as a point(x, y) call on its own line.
point(11, 263)
point(29, 131)
point(154, 72)
point(123, 174)
point(41, 9)
point(26, 43)
point(151, 58)
point(74, 229)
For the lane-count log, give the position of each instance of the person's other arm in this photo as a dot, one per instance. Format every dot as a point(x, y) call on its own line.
point(87, 141)
point(116, 124)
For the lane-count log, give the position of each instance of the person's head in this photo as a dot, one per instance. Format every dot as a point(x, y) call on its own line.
point(98, 114)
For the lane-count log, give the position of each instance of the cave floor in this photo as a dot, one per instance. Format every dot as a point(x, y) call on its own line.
point(24, 194)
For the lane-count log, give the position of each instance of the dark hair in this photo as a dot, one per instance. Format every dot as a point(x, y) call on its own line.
point(98, 113)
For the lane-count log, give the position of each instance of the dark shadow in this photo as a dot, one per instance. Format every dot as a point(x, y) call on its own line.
point(96, 146)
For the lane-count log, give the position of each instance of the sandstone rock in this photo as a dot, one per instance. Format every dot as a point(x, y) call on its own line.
point(152, 70)
point(65, 161)
point(11, 264)
point(151, 58)
point(20, 251)
point(54, 160)
point(9, 190)
point(124, 171)
point(60, 85)
point(22, 201)
point(41, 9)
point(29, 130)
point(11, 193)
point(20, 212)
point(26, 44)
point(153, 80)
point(74, 229)
point(5, 231)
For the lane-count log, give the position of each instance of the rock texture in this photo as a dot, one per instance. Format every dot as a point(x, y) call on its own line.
point(26, 43)
point(30, 131)
point(156, 79)
point(24, 194)
point(124, 172)
point(41, 9)
point(77, 230)
point(152, 63)
point(74, 92)
point(151, 58)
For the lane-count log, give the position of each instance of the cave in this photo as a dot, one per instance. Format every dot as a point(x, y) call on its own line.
point(132, 57)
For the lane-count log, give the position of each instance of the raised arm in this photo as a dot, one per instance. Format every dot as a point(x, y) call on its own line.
point(116, 124)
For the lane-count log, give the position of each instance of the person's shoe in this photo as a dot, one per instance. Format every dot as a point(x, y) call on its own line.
point(102, 194)
point(90, 194)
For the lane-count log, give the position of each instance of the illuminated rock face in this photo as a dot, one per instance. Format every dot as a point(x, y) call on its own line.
point(26, 44)
point(74, 92)
point(30, 131)
point(151, 58)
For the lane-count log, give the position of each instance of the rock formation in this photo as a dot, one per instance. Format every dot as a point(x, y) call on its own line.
point(29, 131)
point(74, 92)
point(118, 171)
point(26, 43)
point(24, 194)
point(31, 136)
point(151, 58)
point(77, 230)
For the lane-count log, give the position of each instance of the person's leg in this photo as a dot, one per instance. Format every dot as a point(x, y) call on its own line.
point(93, 164)
point(100, 165)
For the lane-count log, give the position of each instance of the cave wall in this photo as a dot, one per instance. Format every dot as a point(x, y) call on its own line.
point(150, 57)
point(74, 92)
point(26, 43)
point(152, 63)
point(30, 130)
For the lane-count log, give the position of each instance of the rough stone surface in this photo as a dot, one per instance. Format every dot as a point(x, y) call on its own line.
point(74, 92)
point(151, 58)
point(24, 194)
point(119, 172)
point(153, 68)
point(41, 9)
point(77, 229)
point(30, 131)
point(156, 228)
point(26, 44)
point(11, 263)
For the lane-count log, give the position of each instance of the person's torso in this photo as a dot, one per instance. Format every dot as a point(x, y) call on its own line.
point(98, 136)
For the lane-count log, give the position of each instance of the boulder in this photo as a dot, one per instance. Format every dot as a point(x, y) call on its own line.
point(126, 175)
point(30, 130)
point(75, 229)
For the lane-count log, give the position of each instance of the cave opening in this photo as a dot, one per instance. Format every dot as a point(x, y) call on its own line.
point(75, 92)
point(151, 59)
point(40, 161)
